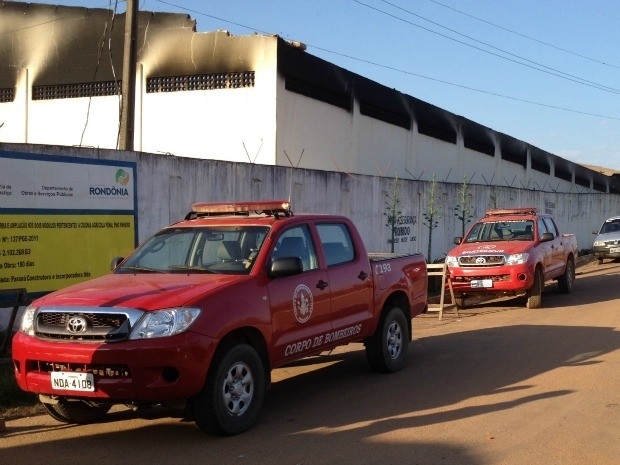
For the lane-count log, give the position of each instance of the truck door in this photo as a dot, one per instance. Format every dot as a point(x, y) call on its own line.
point(300, 304)
point(557, 249)
point(546, 249)
point(349, 280)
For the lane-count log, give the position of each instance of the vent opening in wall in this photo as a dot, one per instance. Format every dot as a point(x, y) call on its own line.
point(7, 95)
point(201, 82)
point(76, 90)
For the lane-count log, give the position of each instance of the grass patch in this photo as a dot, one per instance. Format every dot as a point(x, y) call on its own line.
point(15, 403)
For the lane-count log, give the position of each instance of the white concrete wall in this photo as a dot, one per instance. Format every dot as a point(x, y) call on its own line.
point(76, 121)
point(382, 149)
point(436, 157)
point(311, 134)
point(223, 124)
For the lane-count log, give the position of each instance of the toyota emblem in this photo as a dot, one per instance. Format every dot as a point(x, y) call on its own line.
point(77, 324)
point(480, 261)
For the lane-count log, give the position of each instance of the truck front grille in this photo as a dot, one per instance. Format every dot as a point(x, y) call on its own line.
point(494, 278)
point(482, 260)
point(82, 326)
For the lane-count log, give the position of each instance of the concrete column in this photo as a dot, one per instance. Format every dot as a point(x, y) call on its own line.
point(139, 95)
point(22, 101)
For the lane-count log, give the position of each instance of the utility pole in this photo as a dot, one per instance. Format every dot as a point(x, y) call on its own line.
point(128, 90)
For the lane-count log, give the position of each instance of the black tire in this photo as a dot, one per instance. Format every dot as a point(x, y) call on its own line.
point(566, 282)
point(534, 294)
point(76, 411)
point(459, 301)
point(232, 397)
point(600, 261)
point(386, 350)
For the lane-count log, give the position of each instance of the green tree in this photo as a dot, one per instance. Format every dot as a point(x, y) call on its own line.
point(464, 209)
point(393, 212)
point(432, 213)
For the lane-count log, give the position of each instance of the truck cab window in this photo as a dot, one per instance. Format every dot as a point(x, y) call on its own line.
point(336, 242)
point(296, 242)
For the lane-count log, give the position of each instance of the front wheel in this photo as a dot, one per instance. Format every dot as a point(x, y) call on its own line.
point(386, 350)
point(69, 411)
point(233, 393)
point(534, 295)
point(567, 280)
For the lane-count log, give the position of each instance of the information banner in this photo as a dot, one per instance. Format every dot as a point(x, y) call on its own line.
point(63, 220)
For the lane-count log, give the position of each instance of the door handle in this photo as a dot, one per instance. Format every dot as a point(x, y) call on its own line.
point(322, 284)
point(362, 276)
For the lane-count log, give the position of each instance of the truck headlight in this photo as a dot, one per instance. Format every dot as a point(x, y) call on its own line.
point(452, 261)
point(27, 323)
point(517, 259)
point(163, 323)
point(599, 243)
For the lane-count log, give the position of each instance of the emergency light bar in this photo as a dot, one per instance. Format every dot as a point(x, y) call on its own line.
point(270, 206)
point(512, 211)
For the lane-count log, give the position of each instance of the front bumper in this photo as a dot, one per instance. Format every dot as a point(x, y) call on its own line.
point(606, 251)
point(505, 279)
point(146, 370)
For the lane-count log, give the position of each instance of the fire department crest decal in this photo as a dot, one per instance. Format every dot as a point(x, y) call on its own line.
point(303, 303)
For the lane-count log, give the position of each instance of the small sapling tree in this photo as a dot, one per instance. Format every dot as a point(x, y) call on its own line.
point(392, 212)
point(432, 213)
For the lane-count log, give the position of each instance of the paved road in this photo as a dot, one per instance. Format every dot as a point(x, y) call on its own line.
point(499, 385)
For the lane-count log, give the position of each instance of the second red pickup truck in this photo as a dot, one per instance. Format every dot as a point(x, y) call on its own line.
point(207, 307)
point(512, 252)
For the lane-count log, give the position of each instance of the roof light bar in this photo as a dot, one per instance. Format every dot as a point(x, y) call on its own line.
point(512, 211)
point(243, 207)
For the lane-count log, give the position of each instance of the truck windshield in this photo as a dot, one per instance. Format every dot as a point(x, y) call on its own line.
point(521, 230)
point(224, 249)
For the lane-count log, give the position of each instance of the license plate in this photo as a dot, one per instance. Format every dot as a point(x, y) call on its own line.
point(68, 381)
point(481, 283)
point(614, 250)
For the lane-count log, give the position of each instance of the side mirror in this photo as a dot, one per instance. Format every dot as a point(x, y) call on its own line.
point(458, 240)
point(546, 237)
point(115, 262)
point(285, 266)
point(595, 232)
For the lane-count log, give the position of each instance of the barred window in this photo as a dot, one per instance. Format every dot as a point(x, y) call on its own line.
point(7, 95)
point(82, 89)
point(200, 82)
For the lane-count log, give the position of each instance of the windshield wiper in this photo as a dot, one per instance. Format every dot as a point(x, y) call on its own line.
point(141, 268)
point(200, 269)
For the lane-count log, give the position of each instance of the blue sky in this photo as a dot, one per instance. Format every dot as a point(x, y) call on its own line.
point(543, 71)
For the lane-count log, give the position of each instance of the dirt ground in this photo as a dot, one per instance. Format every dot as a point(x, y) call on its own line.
point(500, 384)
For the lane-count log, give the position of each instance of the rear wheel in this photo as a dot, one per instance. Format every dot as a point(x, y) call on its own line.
point(534, 294)
point(233, 393)
point(567, 280)
point(459, 301)
point(76, 411)
point(386, 350)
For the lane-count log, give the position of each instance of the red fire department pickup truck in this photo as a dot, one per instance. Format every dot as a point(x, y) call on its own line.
point(512, 252)
point(207, 307)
